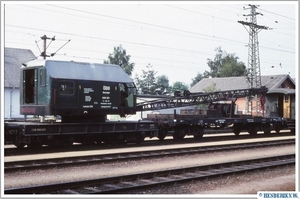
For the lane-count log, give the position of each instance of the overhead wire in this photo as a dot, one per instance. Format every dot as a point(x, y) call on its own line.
point(173, 29)
point(142, 23)
point(150, 24)
point(72, 34)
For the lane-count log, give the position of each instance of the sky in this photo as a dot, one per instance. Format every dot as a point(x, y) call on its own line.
point(175, 38)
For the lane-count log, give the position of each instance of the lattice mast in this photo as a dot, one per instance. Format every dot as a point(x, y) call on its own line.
point(253, 73)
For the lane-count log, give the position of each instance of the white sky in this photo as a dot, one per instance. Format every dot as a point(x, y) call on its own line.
point(176, 38)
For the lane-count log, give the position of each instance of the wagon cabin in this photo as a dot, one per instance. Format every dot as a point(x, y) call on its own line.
point(77, 91)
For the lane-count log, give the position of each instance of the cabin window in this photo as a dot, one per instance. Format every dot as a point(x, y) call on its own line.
point(66, 88)
point(42, 77)
point(128, 92)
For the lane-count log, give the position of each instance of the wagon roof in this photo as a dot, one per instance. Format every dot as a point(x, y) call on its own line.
point(83, 70)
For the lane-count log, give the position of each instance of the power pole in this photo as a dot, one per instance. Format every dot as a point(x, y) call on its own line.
point(44, 38)
point(253, 74)
point(44, 54)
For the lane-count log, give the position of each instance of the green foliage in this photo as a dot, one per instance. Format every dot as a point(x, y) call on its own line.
point(146, 82)
point(199, 77)
point(162, 83)
point(179, 86)
point(211, 88)
point(208, 89)
point(120, 58)
point(223, 65)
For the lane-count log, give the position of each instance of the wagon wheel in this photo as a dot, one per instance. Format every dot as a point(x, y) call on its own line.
point(19, 145)
point(68, 142)
point(198, 135)
point(162, 134)
point(252, 130)
point(179, 135)
point(292, 131)
point(140, 138)
point(277, 128)
point(236, 130)
point(34, 145)
point(267, 129)
point(115, 140)
point(99, 141)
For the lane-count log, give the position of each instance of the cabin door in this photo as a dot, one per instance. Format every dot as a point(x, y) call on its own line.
point(30, 86)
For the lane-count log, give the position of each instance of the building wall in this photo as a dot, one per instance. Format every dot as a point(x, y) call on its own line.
point(12, 103)
point(287, 84)
point(293, 108)
point(241, 105)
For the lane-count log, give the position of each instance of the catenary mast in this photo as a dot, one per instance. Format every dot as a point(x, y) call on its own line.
point(253, 73)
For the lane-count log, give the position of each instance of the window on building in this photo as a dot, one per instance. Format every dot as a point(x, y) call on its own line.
point(286, 98)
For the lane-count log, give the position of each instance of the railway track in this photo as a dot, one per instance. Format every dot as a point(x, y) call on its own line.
point(126, 156)
point(12, 151)
point(125, 183)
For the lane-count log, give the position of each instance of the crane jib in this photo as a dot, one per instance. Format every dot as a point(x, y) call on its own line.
point(189, 99)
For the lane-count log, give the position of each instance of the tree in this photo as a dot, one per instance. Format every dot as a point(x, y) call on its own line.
point(199, 77)
point(232, 68)
point(162, 83)
point(223, 65)
point(120, 58)
point(179, 86)
point(147, 82)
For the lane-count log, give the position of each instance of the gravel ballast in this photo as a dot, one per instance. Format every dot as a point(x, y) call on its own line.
point(279, 179)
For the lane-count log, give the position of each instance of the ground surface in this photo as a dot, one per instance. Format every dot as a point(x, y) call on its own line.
point(282, 179)
point(279, 179)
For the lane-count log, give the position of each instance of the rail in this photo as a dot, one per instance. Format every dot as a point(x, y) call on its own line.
point(27, 165)
point(121, 184)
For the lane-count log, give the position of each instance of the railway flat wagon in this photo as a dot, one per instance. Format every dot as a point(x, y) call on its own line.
point(222, 115)
point(82, 95)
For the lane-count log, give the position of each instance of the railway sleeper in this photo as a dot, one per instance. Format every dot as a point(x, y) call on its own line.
point(115, 185)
